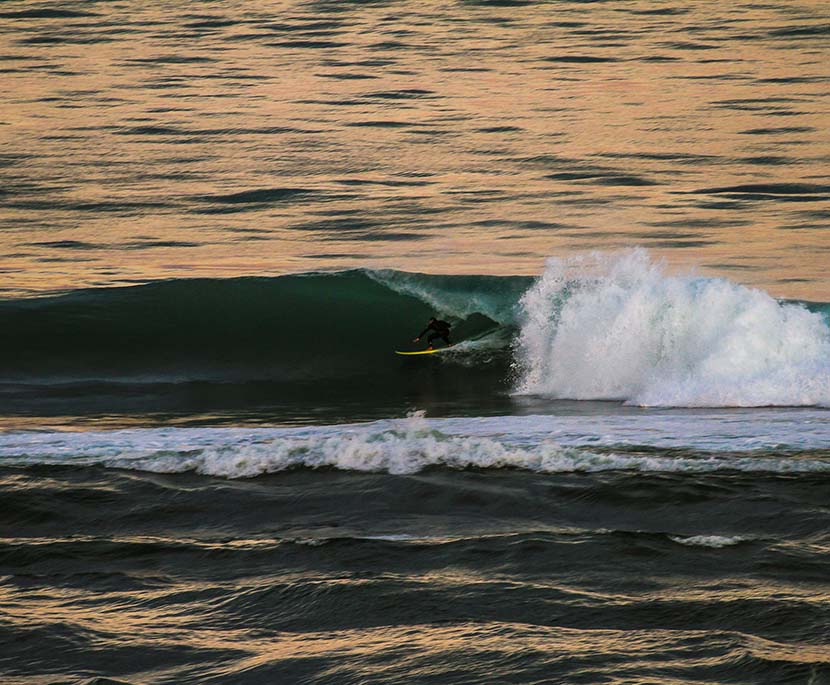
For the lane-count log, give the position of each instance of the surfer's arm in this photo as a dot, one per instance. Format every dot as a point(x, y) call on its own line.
point(421, 334)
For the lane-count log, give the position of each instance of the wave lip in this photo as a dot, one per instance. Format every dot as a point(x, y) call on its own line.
point(616, 327)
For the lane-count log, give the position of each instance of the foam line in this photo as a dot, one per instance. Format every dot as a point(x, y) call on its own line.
point(402, 446)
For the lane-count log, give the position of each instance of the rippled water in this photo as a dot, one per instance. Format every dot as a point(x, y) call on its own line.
point(620, 473)
point(148, 140)
point(681, 547)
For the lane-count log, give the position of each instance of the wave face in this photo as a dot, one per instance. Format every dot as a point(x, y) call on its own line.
point(617, 327)
point(307, 327)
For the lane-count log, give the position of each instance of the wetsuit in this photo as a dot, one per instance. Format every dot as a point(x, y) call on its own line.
point(440, 329)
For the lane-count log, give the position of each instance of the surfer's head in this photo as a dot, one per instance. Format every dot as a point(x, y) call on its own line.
point(431, 319)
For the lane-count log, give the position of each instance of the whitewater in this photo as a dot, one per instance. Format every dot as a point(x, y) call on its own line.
point(618, 327)
point(768, 441)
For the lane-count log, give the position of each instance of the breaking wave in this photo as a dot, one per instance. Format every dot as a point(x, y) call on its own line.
point(617, 327)
point(607, 327)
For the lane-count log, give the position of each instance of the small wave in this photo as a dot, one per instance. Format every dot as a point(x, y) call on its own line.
point(579, 59)
point(713, 541)
point(401, 447)
point(47, 13)
point(772, 191)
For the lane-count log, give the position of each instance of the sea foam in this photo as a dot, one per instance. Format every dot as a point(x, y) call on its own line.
point(401, 446)
point(618, 327)
point(713, 541)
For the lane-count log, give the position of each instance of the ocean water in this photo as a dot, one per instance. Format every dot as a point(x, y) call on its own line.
point(218, 220)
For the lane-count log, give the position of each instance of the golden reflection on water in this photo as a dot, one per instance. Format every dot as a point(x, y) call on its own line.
point(446, 138)
point(189, 615)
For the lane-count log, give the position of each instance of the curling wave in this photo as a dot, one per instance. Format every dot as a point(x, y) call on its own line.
point(304, 327)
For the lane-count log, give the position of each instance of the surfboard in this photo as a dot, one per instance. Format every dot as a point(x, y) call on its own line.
point(407, 354)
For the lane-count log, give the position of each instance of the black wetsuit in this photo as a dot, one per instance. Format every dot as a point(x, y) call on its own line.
point(440, 329)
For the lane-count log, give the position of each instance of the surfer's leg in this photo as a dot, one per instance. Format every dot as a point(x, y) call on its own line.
point(437, 336)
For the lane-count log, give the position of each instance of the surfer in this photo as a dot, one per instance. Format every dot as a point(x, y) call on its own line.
point(440, 329)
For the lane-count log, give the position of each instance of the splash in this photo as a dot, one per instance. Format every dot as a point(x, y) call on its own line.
point(618, 327)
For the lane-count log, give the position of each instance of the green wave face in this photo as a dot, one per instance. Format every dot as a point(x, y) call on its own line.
point(298, 327)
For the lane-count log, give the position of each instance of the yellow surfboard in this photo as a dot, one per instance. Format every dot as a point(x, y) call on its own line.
point(407, 354)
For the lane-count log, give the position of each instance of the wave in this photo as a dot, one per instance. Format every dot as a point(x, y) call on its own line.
point(616, 327)
point(306, 327)
point(603, 327)
point(403, 446)
point(712, 541)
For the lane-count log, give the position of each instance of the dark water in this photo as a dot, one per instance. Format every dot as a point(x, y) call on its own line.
point(218, 220)
point(443, 576)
